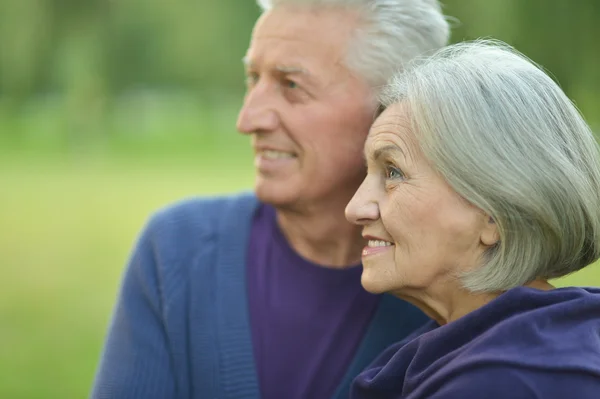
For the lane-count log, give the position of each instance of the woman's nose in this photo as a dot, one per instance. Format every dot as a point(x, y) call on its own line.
point(363, 207)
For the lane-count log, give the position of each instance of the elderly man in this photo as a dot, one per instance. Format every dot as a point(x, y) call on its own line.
point(259, 295)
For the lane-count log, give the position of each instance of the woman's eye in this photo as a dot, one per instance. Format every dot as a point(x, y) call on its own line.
point(393, 172)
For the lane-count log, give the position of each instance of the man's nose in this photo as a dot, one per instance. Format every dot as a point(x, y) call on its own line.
point(258, 113)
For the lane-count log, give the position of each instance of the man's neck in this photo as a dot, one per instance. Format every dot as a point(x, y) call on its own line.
point(322, 235)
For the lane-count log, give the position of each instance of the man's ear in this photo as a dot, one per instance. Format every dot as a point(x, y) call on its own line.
point(490, 235)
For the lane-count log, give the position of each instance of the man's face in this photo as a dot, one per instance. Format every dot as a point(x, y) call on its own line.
point(307, 113)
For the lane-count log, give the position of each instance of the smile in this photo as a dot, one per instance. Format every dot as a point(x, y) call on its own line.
point(273, 154)
point(375, 247)
point(379, 243)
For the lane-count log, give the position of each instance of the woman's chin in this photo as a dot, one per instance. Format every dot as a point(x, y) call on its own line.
point(372, 285)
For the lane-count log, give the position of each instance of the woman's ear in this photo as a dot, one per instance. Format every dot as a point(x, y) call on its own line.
point(490, 235)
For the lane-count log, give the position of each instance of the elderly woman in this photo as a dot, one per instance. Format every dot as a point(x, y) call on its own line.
point(483, 184)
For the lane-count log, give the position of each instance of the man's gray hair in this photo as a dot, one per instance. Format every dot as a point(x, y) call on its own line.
point(390, 33)
point(506, 138)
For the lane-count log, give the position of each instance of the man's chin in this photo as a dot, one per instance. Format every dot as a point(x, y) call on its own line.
point(276, 193)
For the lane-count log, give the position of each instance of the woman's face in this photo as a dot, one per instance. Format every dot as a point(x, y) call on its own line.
point(420, 231)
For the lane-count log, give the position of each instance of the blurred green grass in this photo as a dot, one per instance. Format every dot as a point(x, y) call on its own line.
point(67, 224)
point(66, 232)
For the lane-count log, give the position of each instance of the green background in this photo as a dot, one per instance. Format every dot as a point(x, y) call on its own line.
point(111, 109)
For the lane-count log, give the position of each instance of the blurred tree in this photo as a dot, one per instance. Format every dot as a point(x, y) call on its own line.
point(90, 53)
point(26, 30)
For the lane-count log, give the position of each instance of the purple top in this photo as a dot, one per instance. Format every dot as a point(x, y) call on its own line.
point(524, 344)
point(306, 320)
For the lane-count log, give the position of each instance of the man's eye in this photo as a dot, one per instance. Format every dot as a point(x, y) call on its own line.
point(290, 84)
point(251, 78)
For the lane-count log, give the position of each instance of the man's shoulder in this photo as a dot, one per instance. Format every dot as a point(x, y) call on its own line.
point(183, 237)
point(201, 215)
point(182, 229)
point(194, 208)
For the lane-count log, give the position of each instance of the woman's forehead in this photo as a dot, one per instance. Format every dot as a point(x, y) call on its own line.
point(394, 120)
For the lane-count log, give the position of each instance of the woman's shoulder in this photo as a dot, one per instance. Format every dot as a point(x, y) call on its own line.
point(553, 314)
point(507, 381)
point(556, 330)
point(520, 339)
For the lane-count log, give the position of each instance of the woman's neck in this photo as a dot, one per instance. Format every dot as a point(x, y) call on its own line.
point(452, 303)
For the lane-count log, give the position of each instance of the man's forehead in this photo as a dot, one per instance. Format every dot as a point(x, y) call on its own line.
point(303, 21)
point(288, 58)
point(301, 33)
point(294, 50)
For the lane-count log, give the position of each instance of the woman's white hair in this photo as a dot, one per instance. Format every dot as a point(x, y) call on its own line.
point(506, 138)
point(390, 33)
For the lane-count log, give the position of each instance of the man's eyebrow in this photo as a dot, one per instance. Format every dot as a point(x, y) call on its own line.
point(291, 69)
point(286, 69)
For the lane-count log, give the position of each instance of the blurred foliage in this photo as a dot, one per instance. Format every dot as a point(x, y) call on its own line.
point(559, 35)
point(98, 48)
point(77, 67)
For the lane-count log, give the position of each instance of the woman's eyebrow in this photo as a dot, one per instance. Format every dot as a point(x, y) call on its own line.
point(386, 150)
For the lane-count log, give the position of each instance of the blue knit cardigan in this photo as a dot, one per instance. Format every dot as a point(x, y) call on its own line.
point(180, 328)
